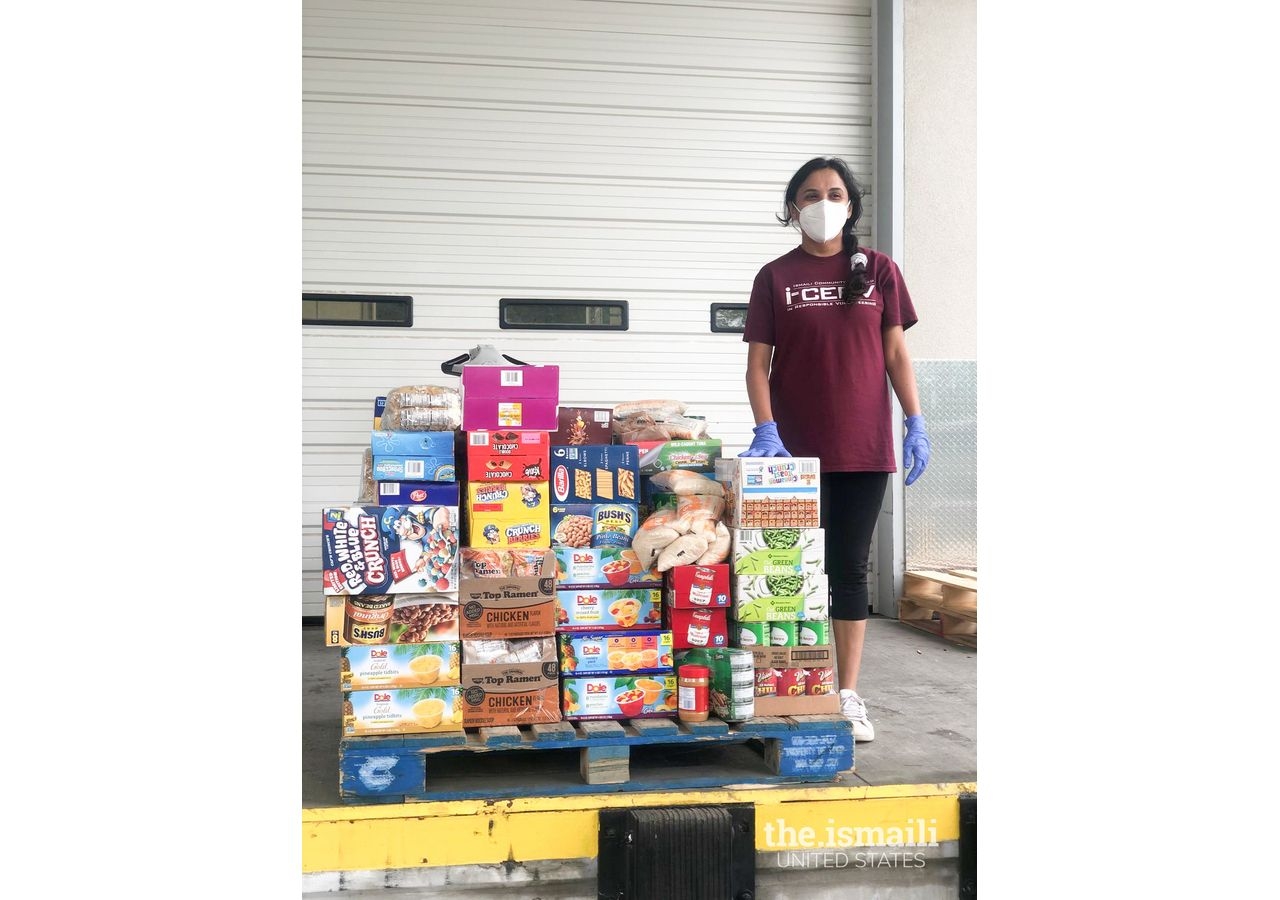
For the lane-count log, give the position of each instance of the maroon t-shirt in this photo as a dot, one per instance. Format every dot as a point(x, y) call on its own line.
point(828, 385)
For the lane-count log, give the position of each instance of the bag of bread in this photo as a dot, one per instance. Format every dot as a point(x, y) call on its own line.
point(425, 407)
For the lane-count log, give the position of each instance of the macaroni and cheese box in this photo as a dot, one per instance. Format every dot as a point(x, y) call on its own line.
point(496, 397)
point(389, 549)
point(577, 425)
point(777, 551)
point(662, 456)
point(400, 666)
point(402, 711)
point(427, 493)
point(510, 694)
point(698, 587)
point(413, 468)
point(603, 609)
point(351, 620)
point(615, 652)
point(619, 697)
point(508, 514)
point(602, 566)
point(770, 492)
point(437, 444)
point(780, 598)
point(596, 525)
point(508, 608)
point(698, 627)
point(597, 473)
point(507, 456)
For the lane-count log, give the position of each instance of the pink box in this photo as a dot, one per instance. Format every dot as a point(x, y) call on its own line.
point(510, 397)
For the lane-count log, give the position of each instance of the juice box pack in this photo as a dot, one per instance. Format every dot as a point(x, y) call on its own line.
point(577, 425)
point(413, 443)
point(579, 525)
point(615, 652)
point(496, 397)
point(389, 549)
point(602, 566)
point(591, 609)
point(772, 492)
point(400, 467)
point(400, 666)
point(507, 456)
point(618, 697)
point(424, 493)
point(780, 598)
point(501, 514)
point(778, 551)
point(402, 711)
point(595, 473)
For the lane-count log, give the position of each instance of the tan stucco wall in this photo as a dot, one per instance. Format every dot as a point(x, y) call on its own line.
point(940, 223)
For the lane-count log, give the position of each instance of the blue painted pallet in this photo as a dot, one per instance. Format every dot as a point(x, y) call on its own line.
point(643, 755)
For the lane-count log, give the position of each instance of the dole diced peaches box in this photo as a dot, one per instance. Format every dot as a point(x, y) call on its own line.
point(601, 567)
point(590, 609)
point(615, 652)
point(508, 455)
point(618, 697)
point(400, 666)
point(389, 549)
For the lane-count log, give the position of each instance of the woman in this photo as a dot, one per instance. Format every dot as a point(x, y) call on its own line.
point(824, 325)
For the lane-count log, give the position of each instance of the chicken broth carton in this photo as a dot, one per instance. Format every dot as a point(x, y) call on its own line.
point(389, 549)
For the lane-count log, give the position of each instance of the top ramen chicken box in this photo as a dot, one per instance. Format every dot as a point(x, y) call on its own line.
point(390, 549)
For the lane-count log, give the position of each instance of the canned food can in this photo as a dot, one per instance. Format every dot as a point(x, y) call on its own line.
point(743, 684)
point(766, 682)
point(753, 634)
point(791, 682)
point(820, 681)
point(812, 632)
point(736, 712)
point(782, 634)
point(740, 660)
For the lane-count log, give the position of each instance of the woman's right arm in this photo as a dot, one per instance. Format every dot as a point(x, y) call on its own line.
point(759, 358)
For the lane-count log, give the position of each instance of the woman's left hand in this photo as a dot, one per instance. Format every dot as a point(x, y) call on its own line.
point(915, 448)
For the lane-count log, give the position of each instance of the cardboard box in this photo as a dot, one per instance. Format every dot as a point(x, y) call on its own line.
point(780, 598)
point(379, 406)
point(496, 397)
point(770, 492)
point(400, 666)
point(698, 587)
point(815, 705)
point(597, 525)
point(778, 551)
point(510, 694)
point(413, 619)
point(501, 515)
point(391, 467)
point(602, 567)
point(618, 697)
point(793, 657)
point(389, 549)
point(595, 474)
point(577, 425)
point(508, 608)
point(505, 652)
point(477, 562)
point(413, 443)
point(698, 628)
point(402, 711)
point(508, 456)
point(607, 609)
point(425, 493)
point(615, 652)
point(662, 456)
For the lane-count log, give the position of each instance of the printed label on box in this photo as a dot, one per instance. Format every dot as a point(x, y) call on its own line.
point(618, 652)
point(400, 666)
point(781, 598)
point(389, 549)
point(507, 456)
point(663, 456)
point(778, 551)
point(413, 443)
point(413, 468)
point(588, 609)
point(619, 697)
point(425, 493)
point(770, 493)
point(594, 525)
point(595, 473)
point(601, 566)
point(402, 711)
point(699, 627)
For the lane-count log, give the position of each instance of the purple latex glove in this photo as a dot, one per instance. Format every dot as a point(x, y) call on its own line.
point(915, 448)
point(766, 442)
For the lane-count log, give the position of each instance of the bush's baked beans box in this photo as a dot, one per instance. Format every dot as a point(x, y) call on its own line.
point(595, 473)
point(770, 492)
point(608, 609)
point(510, 693)
point(780, 598)
point(400, 666)
point(698, 627)
point(389, 549)
point(698, 587)
point(502, 515)
point(496, 397)
point(602, 567)
point(580, 525)
point(615, 652)
point(507, 456)
point(410, 619)
point(437, 444)
point(399, 467)
point(692, 455)
point(618, 697)
point(508, 608)
point(402, 711)
point(425, 493)
point(578, 425)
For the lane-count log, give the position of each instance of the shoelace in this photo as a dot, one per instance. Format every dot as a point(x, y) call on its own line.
point(855, 706)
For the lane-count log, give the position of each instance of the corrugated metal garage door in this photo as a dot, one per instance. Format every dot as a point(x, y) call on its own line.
point(464, 152)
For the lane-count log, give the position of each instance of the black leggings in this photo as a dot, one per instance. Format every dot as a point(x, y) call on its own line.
point(850, 507)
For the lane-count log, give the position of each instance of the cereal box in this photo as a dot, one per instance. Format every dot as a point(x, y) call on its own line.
point(510, 694)
point(615, 652)
point(413, 443)
point(402, 711)
point(595, 474)
point(427, 493)
point(400, 666)
point(496, 397)
point(780, 598)
point(592, 609)
point(597, 525)
point(662, 456)
point(601, 567)
point(778, 551)
point(413, 468)
point(770, 492)
point(578, 425)
point(366, 619)
point(618, 697)
point(694, 587)
point(501, 514)
point(507, 456)
point(698, 627)
point(389, 549)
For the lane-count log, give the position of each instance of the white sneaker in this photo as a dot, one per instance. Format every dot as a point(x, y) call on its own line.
point(854, 709)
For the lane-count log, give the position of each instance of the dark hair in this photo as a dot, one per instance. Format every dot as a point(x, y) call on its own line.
point(856, 282)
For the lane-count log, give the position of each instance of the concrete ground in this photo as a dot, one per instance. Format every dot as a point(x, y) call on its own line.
point(921, 694)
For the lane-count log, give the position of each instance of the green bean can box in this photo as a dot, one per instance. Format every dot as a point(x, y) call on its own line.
point(780, 598)
point(778, 551)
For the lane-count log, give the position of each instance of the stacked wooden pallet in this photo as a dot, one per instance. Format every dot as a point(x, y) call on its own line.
point(944, 603)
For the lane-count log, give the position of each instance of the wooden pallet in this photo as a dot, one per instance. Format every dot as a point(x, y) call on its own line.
point(944, 603)
point(643, 754)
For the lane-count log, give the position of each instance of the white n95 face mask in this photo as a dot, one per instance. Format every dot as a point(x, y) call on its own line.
point(823, 220)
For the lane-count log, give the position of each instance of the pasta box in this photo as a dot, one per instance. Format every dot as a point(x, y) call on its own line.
point(577, 425)
point(698, 627)
point(596, 609)
point(777, 551)
point(399, 666)
point(602, 566)
point(366, 619)
point(508, 608)
point(395, 467)
point(427, 493)
point(502, 514)
point(413, 443)
point(595, 473)
point(507, 456)
point(615, 652)
point(618, 697)
point(389, 549)
point(770, 492)
point(402, 711)
point(662, 456)
point(596, 525)
point(698, 587)
point(510, 693)
point(496, 397)
point(780, 598)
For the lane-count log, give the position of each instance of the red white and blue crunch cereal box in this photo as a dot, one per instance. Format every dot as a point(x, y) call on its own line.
point(390, 549)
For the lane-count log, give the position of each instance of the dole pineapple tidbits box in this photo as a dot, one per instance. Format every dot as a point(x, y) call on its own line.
point(496, 397)
point(502, 514)
point(770, 492)
point(400, 666)
point(597, 473)
point(579, 425)
point(507, 456)
point(389, 549)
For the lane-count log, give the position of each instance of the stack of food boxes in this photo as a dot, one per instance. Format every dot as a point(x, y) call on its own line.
point(509, 673)
point(615, 656)
point(390, 576)
point(779, 582)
